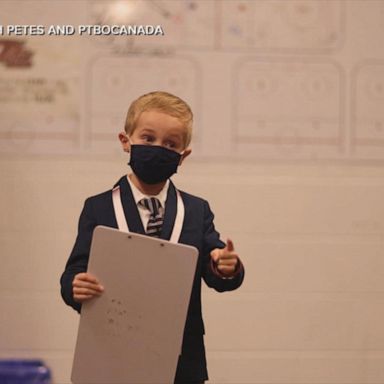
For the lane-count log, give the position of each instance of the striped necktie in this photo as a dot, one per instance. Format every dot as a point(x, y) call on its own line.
point(155, 222)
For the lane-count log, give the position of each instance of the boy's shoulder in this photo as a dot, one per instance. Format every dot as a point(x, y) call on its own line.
point(106, 195)
point(193, 199)
point(99, 198)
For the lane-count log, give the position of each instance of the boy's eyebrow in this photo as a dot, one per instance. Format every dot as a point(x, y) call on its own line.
point(148, 129)
point(177, 135)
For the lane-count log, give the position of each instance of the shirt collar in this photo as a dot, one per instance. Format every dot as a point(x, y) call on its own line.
point(138, 195)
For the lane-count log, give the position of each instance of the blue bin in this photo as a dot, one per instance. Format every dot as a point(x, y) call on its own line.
point(15, 371)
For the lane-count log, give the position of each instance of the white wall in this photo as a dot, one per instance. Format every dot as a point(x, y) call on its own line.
point(288, 149)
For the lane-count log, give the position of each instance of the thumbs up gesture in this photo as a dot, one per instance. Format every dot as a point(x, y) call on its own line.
point(226, 259)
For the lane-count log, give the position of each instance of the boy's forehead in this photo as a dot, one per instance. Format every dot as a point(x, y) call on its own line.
point(156, 113)
point(157, 120)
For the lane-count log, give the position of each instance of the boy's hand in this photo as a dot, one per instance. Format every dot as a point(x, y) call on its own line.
point(85, 287)
point(226, 259)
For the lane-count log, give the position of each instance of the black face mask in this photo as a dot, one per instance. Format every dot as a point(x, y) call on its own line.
point(153, 163)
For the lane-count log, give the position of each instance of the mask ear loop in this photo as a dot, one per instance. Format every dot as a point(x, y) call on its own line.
point(130, 143)
point(181, 157)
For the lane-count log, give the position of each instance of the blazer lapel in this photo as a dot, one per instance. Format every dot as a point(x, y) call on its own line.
point(170, 213)
point(130, 208)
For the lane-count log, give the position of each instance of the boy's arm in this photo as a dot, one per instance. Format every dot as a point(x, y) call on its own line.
point(230, 274)
point(78, 260)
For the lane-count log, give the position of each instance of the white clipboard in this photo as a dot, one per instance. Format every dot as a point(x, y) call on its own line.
point(133, 332)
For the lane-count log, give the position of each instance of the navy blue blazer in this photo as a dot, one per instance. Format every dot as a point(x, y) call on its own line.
point(198, 230)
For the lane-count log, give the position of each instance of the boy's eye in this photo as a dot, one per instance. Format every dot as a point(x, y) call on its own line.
point(148, 138)
point(170, 144)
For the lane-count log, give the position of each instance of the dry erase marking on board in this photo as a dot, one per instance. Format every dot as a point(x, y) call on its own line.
point(124, 325)
point(120, 322)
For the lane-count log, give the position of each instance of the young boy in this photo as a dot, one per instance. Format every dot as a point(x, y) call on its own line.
point(157, 136)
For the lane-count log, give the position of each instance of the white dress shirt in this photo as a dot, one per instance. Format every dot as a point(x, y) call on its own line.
point(138, 195)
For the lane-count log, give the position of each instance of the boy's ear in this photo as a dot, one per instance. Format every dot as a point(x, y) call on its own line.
point(123, 138)
point(185, 154)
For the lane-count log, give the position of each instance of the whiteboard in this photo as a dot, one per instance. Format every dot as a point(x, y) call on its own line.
point(133, 333)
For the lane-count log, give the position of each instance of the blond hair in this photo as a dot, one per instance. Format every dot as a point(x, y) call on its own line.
point(164, 102)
